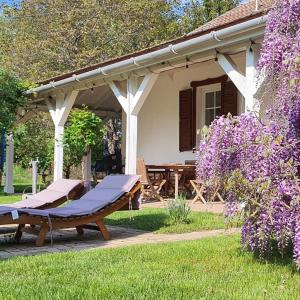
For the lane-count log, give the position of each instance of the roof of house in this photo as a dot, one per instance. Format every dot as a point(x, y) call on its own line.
point(239, 14)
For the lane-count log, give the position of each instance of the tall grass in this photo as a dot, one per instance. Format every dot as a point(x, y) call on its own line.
point(179, 210)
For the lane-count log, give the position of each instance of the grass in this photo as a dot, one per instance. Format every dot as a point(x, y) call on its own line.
point(156, 219)
point(22, 177)
point(211, 268)
point(4, 199)
point(22, 184)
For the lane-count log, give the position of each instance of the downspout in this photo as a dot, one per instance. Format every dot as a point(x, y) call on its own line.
point(169, 52)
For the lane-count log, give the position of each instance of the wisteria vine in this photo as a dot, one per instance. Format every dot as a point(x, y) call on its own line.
point(256, 162)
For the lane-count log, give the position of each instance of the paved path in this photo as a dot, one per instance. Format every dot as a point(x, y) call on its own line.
point(67, 240)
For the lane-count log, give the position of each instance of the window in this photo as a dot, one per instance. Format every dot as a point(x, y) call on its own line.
point(212, 106)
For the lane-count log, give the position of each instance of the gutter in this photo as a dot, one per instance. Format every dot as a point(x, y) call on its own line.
point(171, 51)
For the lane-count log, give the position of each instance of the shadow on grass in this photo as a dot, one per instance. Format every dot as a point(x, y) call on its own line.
point(274, 257)
point(147, 222)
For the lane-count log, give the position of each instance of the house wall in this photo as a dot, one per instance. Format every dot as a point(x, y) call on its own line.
point(158, 120)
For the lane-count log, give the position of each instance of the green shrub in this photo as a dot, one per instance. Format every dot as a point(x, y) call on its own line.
point(179, 210)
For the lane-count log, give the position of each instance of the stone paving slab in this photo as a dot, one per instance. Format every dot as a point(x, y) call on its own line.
point(68, 240)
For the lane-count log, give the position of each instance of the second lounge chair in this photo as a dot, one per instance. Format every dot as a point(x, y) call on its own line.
point(54, 195)
point(113, 193)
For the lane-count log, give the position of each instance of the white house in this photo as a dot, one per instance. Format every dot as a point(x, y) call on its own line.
point(167, 93)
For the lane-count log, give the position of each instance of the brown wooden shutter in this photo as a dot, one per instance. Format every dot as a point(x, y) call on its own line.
point(229, 98)
point(186, 120)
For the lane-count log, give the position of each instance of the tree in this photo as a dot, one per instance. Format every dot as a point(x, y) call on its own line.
point(74, 34)
point(113, 136)
point(34, 140)
point(12, 97)
point(194, 13)
point(215, 8)
point(83, 133)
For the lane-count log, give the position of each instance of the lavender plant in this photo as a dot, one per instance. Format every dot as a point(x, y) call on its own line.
point(256, 162)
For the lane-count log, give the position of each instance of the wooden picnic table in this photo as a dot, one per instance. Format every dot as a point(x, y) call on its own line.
point(175, 168)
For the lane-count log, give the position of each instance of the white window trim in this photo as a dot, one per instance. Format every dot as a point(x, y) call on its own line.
point(201, 91)
point(207, 89)
point(212, 108)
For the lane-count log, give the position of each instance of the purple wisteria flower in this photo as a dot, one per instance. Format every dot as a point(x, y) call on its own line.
point(257, 162)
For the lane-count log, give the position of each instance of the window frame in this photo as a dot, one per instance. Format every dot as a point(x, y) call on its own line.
point(214, 107)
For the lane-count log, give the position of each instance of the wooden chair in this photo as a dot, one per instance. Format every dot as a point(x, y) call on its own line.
point(150, 189)
point(186, 176)
point(199, 189)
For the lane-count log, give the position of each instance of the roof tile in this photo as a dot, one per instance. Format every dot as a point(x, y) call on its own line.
point(240, 12)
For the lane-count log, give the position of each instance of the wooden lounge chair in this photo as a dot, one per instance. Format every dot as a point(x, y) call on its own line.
point(199, 189)
point(113, 193)
point(54, 195)
point(150, 189)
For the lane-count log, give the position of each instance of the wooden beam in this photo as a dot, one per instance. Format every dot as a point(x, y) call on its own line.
point(209, 81)
point(231, 70)
point(120, 95)
point(27, 116)
point(66, 106)
point(52, 110)
point(143, 92)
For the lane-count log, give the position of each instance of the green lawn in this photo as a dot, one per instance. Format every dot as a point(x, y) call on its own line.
point(22, 184)
point(156, 219)
point(212, 268)
point(8, 198)
point(22, 180)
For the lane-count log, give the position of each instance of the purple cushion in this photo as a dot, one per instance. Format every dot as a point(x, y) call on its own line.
point(107, 192)
point(39, 199)
point(123, 182)
point(55, 191)
point(63, 185)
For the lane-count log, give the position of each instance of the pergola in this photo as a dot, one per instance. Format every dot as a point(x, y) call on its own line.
point(119, 88)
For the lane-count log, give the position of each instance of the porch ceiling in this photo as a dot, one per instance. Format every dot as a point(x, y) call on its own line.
point(100, 100)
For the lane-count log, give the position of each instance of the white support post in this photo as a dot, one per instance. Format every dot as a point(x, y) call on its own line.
point(59, 114)
point(58, 152)
point(131, 128)
point(251, 104)
point(246, 84)
point(9, 167)
point(131, 104)
point(34, 164)
point(87, 166)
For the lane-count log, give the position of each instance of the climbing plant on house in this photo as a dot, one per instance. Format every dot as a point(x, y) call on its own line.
point(256, 162)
